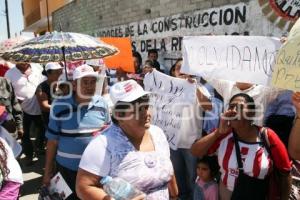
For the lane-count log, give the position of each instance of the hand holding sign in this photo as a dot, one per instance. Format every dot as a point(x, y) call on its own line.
point(296, 101)
point(287, 69)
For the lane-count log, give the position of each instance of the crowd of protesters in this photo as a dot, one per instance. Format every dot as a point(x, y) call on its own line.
point(239, 134)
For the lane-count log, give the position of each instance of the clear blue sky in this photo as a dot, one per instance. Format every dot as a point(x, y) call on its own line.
point(15, 18)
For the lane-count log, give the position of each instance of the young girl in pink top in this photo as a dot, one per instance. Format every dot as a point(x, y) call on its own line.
point(206, 187)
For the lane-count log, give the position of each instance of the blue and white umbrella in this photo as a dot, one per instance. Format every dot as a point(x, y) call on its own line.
point(59, 46)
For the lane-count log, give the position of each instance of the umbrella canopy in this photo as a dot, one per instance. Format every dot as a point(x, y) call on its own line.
point(59, 46)
point(8, 44)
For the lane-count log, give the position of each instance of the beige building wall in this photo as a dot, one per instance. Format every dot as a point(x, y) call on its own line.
point(35, 14)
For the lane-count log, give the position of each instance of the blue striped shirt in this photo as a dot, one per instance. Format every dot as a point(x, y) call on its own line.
point(72, 125)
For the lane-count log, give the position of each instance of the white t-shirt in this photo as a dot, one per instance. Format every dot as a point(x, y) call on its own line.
point(191, 125)
point(112, 154)
point(262, 96)
point(15, 172)
point(14, 145)
point(192, 121)
point(25, 87)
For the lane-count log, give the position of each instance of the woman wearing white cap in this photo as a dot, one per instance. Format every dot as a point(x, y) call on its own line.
point(45, 91)
point(131, 149)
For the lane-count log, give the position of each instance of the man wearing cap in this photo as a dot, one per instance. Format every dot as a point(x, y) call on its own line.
point(25, 77)
point(73, 121)
point(131, 149)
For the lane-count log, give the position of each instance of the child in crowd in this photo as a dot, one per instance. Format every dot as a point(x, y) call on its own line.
point(206, 187)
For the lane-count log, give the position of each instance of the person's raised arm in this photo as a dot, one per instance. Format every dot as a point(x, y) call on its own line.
point(201, 147)
point(294, 139)
point(203, 99)
point(173, 189)
point(202, 95)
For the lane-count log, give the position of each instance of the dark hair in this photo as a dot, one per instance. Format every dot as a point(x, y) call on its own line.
point(153, 64)
point(156, 65)
point(138, 56)
point(249, 100)
point(3, 160)
point(212, 163)
point(152, 51)
point(178, 59)
point(123, 106)
point(150, 63)
point(46, 73)
point(172, 69)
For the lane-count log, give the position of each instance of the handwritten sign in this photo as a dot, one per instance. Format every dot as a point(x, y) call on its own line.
point(287, 70)
point(168, 98)
point(237, 58)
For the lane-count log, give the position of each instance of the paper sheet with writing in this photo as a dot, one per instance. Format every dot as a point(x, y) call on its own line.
point(168, 98)
point(287, 69)
point(59, 185)
point(236, 58)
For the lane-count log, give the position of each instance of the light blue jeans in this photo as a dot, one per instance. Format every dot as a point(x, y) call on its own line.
point(184, 164)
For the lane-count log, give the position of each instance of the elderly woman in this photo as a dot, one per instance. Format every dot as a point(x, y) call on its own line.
point(131, 149)
point(242, 150)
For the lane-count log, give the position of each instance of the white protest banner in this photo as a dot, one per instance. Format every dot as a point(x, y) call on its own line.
point(237, 58)
point(168, 98)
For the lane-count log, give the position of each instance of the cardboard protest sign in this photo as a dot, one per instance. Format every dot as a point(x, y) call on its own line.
point(287, 69)
point(168, 98)
point(237, 58)
point(123, 60)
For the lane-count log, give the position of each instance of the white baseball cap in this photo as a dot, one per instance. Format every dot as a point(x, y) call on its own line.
point(95, 62)
point(84, 71)
point(126, 91)
point(63, 79)
point(52, 66)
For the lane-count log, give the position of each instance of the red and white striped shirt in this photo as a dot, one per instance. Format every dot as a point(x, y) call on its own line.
point(256, 159)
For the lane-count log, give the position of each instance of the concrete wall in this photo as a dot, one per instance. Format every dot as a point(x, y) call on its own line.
point(161, 24)
point(88, 15)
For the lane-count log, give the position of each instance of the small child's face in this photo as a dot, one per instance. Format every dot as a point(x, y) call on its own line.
point(204, 172)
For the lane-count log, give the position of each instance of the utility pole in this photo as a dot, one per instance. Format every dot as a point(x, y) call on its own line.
point(48, 20)
point(7, 19)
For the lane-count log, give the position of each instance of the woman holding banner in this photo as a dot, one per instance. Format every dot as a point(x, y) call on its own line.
point(183, 161)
